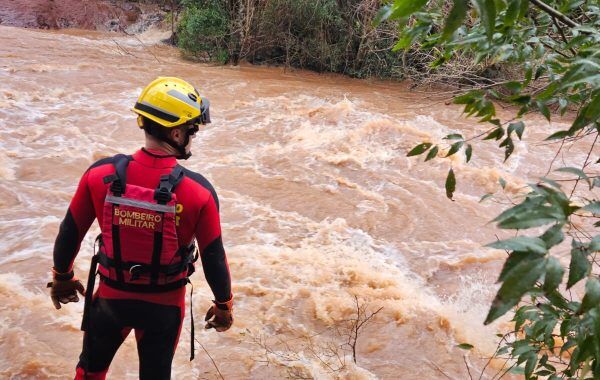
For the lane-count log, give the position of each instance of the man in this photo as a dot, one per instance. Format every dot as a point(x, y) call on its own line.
point(149, 210)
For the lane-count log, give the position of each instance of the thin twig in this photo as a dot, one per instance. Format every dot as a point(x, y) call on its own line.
point(584, 164)
point(556, 155)
point(436, 367)
point(209, 356)
point(467, 365)
point(562, 35)
point(490, 359)
point(140, 41)
point(123, 49)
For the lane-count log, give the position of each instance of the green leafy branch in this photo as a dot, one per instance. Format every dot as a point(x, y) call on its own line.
point(555, 46)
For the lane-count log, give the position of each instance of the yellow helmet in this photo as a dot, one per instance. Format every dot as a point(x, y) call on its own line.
point(170, 102)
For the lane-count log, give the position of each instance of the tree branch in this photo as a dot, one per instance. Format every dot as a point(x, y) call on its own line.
point(554, 13)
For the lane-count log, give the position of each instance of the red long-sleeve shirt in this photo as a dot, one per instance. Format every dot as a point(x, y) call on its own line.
point(198, 215)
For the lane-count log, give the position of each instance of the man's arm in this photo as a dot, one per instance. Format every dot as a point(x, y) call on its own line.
point(74, 226)
point(212, 253)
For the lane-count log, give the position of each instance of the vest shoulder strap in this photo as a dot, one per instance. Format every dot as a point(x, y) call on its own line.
point(119, 179)
point(168, 183)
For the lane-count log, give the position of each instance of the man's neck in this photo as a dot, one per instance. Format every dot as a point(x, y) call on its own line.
point(160, 148)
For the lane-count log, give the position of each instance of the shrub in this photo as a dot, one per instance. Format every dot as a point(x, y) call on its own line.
point(202, 30)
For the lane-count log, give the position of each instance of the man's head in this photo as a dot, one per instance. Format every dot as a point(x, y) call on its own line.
point(171, 110)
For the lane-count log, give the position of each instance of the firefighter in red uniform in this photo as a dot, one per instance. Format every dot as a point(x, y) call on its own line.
point(150, 210)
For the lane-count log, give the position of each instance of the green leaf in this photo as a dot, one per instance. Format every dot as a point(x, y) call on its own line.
point(383, 14)
point(554, 274)
point(502, 182)
point(531, 213)
point(517, 370)
point(465, 346)
point(578, 172)
point(521, 243)
point(509, 148)
point(515, 258)
point(529, 220)
point(450, 184)
point(485, 196)
point(523, 9)
point(455, 148)
point(409, 35)
point(419, 149)
point(455, 18)
point(432, 153)
point(454, 136)
point(593, 207)
point(558, 135)
point(553, 235)
point(595, 244)
point(520, 99)
point(403, 8)
point(592, 295)
point(495, 134)
point(530, 365)
point(562, 105)
point(579, 266)
point(544, 110)
point(588, 114)
point(512, 12)
point(517, 282)
point(514, 86)
point(517, 127)
point(469, 152)
point(487, 13)
point(468, 98)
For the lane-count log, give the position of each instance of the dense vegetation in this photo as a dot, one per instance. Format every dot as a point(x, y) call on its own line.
point(322, 35)
point(555, 44)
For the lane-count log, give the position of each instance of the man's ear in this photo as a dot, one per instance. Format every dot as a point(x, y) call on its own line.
point(175, 134)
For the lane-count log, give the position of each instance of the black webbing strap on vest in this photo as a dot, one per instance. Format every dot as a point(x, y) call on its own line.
point(143, 288)
point(89, 292)
point(163, 194)
point(119, 183)
point(137, 269)
point(192, 331)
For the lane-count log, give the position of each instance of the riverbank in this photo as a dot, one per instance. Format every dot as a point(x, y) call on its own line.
point(114, 16)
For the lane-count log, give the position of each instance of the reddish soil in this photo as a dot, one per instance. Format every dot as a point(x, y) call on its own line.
point(55, 14)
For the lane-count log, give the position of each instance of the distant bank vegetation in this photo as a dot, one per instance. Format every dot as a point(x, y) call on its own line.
point(321, 35)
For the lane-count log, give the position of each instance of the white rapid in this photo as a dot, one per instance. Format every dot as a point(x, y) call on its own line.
point(319, 205)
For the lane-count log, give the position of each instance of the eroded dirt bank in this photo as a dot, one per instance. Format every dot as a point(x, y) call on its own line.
point(100, 15)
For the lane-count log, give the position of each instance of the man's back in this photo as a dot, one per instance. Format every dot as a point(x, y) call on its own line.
point(197, 216)
point(149, 210)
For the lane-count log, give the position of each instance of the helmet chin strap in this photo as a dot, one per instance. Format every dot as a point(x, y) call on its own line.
point(183, 155)
point(180, 148)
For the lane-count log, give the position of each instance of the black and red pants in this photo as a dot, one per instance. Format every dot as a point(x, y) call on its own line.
point(157, 328)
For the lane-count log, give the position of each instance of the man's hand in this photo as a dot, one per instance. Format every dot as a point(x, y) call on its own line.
point(64, 288)
point(222, 316)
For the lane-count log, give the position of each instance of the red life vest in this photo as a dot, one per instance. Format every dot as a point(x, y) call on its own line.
point(139, 250)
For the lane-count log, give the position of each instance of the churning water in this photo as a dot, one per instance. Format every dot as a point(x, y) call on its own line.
point(319, 204)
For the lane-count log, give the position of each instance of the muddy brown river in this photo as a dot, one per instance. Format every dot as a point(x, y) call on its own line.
point(320, 208)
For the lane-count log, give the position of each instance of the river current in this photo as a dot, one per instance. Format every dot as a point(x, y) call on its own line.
point(320, 209)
